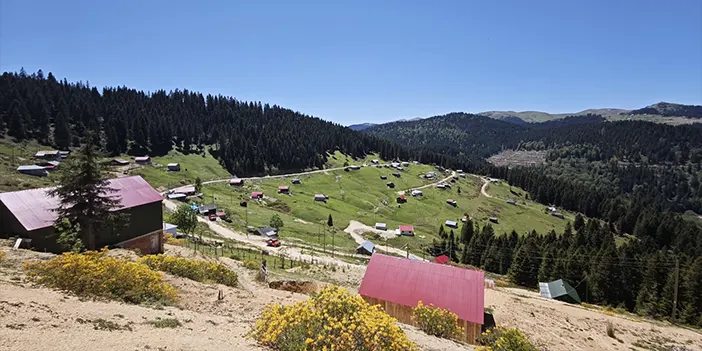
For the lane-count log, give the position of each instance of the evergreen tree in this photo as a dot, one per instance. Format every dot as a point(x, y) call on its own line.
point(442, 232)
point(330, 221)
point(547, 267)
point(525, 267)
point(467, 231)
point(62, 131)
point(85, 198)
point(579, 222)
point(691, 309)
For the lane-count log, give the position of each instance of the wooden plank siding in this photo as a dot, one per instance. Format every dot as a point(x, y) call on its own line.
point(403, 314)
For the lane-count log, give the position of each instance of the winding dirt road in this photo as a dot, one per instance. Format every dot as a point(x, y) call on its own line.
point(356, 228)
point(483, 189)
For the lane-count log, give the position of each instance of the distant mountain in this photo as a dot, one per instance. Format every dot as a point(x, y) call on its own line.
point(361, 126)
point(670, 110)
point(538, 116)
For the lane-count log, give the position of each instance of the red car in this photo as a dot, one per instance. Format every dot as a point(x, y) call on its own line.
point(213, 217)
point(273, 242)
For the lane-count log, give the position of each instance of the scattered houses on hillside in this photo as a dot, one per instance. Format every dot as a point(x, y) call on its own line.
point(236, 182)
point(31, 214)
point(367, 248)
point(283, 189)
point(405, 164)
point(142, 160)
point(452, 202)
point(399, 284)
point(381, 226)
point(320, 197)
point(407, 230)
point(33, 170)
point(173, 167)
point(383, 177)
point(187, 190)
point(257, 195)
point(559, 290)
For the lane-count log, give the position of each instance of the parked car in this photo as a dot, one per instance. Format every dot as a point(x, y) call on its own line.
point(273, 242)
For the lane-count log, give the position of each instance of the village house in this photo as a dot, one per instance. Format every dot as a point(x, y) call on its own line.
point(511, 202)
point(118, 162)
point(383, 177)
point(207, 209)
point(396, 174)
point(395, 164)
point(493, 219)
point(401, 199)
point(143, 160)
point(407, 230)
point(381, 226)
point(400, 169)
point(176, 196)
point(390, 185)
point(296, 181)
point(51, 155)
point(354, 167)
point(33, 170)
point(187, 190)
point(452, 224)
point(49, 165)
point(559, 290)
point(367, 248)
point(557, 215)
point(236, 182)
point(452, 202)
point(268, 232)
point(443, 259)
point(257, 195)
point(30, 214)
point(283, 189)
point(173, 167)
point(170, 229)
point(320, 197)
point(405, 164)
point(462, 175)
point(441, 186)
point(399, 284)
point(416, 192)
point(374, 161)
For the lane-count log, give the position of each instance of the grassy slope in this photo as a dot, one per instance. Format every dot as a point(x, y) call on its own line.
point(358, 195)
point(13, 155)
point(192, 166)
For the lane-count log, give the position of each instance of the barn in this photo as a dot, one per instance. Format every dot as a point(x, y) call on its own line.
point(173, 167)
point(406, 230)
point(283, 189)
point(143, 160)
point(29, 214)
point(257, 195)
point(398, 284)
point(236, 182)
point(367, 248)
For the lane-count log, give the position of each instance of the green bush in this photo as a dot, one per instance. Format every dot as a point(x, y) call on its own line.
point(500, 339)
point(436, 321)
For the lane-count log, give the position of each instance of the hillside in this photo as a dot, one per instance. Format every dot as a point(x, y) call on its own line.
point(670, 110)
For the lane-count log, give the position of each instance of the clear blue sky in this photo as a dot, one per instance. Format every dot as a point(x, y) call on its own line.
point(372, 60)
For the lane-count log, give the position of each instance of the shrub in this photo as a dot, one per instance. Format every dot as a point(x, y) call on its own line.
point(93, 273)
point(2, 255)
point(500, 339)
point(331, 319)
point(200, 271)
point(610, 330)
point(436, 321)
point(251, 264)
point(173, 241)
point(165, 323)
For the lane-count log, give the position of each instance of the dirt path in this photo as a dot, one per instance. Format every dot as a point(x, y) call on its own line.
point(483, 189)
point(279, 175)
point(292, 252)
point(356, 228)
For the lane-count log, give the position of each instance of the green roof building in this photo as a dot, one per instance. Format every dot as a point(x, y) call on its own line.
point(559, 290)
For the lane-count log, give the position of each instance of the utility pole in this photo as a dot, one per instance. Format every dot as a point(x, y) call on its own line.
point(675, 288)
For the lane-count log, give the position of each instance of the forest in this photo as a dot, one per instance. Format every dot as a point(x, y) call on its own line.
point(636, 276)
point(247, 137)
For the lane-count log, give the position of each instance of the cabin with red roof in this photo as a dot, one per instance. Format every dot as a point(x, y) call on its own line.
point(30, 214)
point(401, 199)
point(443, 259)
point(257, 195)
point(406, 230)
point(283, 189)
point(398, 284)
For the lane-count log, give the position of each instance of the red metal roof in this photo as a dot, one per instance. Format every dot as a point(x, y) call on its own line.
point(403, 197)
point(256, 194)
point(406, 282)
point(406, 228)
point(33, 208)
point(283, 187)
point(443, 259)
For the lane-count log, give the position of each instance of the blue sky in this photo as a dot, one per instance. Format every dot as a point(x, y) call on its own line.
point(372, 61)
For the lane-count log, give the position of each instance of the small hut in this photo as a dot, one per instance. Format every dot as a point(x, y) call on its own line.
point(407, 230)
point(381, 226)
point(320, 197)
point(390, 185)
point(296, 181)
point(236, 182)
point(367, 248)
point(559, 290)
point(451, 224)
point(143, 160)
point(173, 167)
point(283, 189)
point(401, 199)
point(257, 195)
point(452, 202)
point(493, 219)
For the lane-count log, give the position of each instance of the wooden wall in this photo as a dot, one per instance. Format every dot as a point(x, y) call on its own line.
point(403, 314)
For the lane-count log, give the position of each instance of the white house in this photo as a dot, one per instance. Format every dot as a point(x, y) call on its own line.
point(381, 226)
point(171, 229)
point(452, 224)
point(173, 167)
point(416, 192)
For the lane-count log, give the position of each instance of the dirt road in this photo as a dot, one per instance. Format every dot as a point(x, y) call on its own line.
point(279, 175)
point(401, 192)
point(356, 228)
point(483, 189)
point(292, 252)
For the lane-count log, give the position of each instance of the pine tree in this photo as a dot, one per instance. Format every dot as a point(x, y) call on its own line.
point(442, 232)
point(579, 222)
point(691, 308)
point(467, 231)
point(17, 127)
point(525, 267)
point(547, 267)
point(330, 221)
point(62, 131)
point(85, 198)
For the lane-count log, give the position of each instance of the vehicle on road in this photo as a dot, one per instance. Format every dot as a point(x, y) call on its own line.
point(273, 242)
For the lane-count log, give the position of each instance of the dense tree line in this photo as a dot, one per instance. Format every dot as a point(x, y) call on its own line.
point(638, 275)
point(247, 137)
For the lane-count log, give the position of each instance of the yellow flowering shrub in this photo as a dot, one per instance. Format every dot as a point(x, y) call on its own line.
point(500, 339)
point(333, 319)
point(173, 241)
point(252, 264)
point(200, 271)
point(436, 321)
point(96, 274)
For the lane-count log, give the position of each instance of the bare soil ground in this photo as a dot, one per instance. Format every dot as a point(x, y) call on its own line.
point(37, 318)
